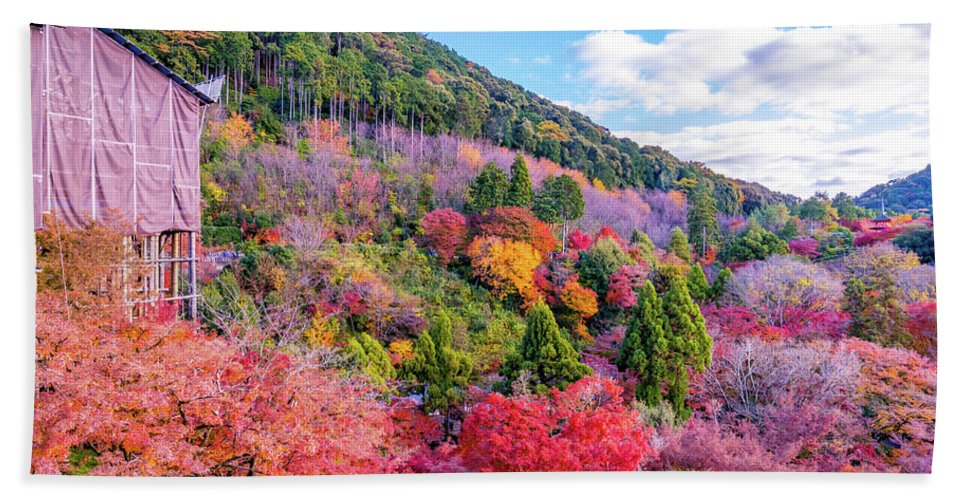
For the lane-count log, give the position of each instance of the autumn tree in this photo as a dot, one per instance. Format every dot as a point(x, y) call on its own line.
point(515, 223)
point(443, 371)
point(150, 399)
point(678, 245)
point(488, 190)
point(521, 192)
point(444, 233)
point(703, 228)
point(784, 290)
point(583, 428)
point(507, 266)
point(559, 202)
point(544, 356)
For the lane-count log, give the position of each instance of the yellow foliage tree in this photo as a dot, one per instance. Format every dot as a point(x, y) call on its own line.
point(506, 266)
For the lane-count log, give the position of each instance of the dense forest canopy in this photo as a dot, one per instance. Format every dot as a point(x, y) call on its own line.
point(415, 82)
point(911, 193)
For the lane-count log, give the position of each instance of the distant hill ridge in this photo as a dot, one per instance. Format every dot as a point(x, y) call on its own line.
point(913, 193)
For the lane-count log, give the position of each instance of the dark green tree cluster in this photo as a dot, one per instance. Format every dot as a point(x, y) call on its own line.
point(488, 190)
point(558, 202)
point(443, 371)
point(919, 240)
point(753, 243)
point(664, 338)
point(544, 354)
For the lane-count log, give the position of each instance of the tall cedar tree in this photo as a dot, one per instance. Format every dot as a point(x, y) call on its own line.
point(678, 244)
point(688, 341)
point(703, 229)
point(645, 347)
point(444, 371)
point(558, 202)
point(543, 352)
point(521, 192)
point(488, 190)
point(697, 285)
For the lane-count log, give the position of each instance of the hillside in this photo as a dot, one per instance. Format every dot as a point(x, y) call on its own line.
point(421, 84)
point(907, 194)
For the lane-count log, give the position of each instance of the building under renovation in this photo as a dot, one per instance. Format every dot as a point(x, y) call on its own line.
point(115, 134)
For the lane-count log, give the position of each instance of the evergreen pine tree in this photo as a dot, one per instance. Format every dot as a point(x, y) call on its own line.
point(688, 341)
point(521, 193)
point(678, 245)
point(703, 229)
point(544, 352)
point(645, 347)
point(488, 190)
point(444, 371)
point(559, 201)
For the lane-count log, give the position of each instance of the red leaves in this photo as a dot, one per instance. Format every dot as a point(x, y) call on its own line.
point(586, 427)
point(444, 233)
point(167, 400)
point(518, 224)
point(807, 247)
point(578, 241)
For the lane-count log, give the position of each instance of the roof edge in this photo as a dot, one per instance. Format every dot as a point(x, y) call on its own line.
point(164, 70)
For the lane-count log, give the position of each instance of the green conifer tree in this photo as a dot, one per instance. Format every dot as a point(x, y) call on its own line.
point(703, 229)
point(678, 245)
point(721, 284)
point(521, 193)
point(369, 356)
point(544, 352)
point(444, 371)
point(698, 287)
point(689, 342)
point(645, 347)
point(488, 190)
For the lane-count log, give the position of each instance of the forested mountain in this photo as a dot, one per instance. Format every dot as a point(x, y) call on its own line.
point(910, 193)
point(421, 84)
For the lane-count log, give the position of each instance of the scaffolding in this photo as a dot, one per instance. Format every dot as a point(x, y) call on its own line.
point(117, 132)
point(167, 271)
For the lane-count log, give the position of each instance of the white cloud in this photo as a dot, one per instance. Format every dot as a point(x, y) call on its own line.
point(798, 155)
point(542, 60)
point(813, 71)
point(513, 60)
point(850, 102)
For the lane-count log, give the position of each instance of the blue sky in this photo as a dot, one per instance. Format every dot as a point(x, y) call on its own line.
point(798, 109)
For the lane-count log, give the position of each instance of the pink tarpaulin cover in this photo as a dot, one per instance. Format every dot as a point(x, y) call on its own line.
point(111, 133)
